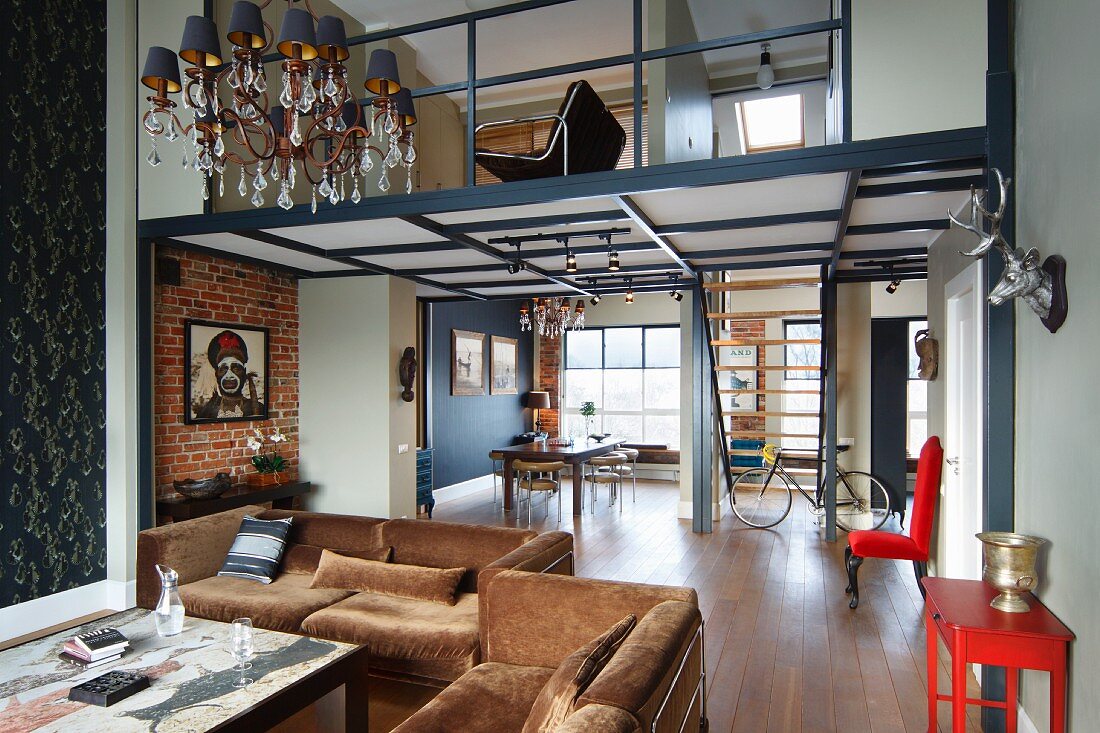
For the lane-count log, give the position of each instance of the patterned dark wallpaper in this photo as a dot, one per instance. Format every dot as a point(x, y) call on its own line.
point(52, 258)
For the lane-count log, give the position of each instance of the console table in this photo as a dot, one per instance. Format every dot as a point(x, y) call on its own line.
point(281, 496)
point(958, 611)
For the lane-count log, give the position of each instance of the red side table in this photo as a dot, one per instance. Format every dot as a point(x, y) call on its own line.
point(959, 611)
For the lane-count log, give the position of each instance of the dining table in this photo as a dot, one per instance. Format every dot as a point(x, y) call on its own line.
point(545, 451)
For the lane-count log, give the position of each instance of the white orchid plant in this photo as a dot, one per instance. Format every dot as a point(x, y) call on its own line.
point(271, 461)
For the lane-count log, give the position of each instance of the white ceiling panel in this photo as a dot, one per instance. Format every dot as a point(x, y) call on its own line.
point(910, 207)
point(417, 260)
point(910, 177)
point(424, 291)
point(571, 206)
point(499, 274)
point(893, 240)
point(523, 292)
point(235, 244)
point(371, 233)
point(758, 237)
point(740, 200)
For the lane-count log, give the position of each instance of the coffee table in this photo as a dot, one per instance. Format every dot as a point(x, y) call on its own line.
point(191, 681)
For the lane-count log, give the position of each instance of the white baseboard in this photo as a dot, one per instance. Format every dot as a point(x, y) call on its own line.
point(466, 488)
point(41, 613)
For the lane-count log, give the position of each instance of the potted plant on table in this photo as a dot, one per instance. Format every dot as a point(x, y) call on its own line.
point(268, 465)
point(588, 410)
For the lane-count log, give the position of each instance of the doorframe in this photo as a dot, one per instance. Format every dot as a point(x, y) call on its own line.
point(972, 280)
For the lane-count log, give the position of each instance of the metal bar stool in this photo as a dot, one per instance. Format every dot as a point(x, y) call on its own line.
point(631, 470)
point(533, 483)
point(605, 471)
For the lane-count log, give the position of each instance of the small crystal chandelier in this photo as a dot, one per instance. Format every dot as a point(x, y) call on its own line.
point(553, 316)
point(316, 129)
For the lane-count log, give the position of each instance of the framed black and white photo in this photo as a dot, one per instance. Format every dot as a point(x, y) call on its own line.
point(226, 372)
point(503, 366)
point(467, 362)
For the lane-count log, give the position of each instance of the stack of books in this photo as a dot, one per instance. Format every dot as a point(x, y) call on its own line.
point(95, 648)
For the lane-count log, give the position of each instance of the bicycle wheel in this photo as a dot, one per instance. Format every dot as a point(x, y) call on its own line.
point(862, 502)
point(760, 498)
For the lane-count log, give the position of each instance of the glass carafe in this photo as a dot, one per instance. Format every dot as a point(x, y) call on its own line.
point(169, 611)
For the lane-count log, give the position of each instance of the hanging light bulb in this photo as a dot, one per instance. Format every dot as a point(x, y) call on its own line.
point(765, 75)
point(613, 261)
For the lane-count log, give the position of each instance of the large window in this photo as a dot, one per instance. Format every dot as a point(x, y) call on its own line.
point(632, 374)
point(800, 381)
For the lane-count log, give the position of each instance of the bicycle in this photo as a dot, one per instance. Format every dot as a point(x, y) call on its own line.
point(760, 501)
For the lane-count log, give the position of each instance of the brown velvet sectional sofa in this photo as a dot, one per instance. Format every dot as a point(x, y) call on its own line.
point(418, 640)
point(531, 622)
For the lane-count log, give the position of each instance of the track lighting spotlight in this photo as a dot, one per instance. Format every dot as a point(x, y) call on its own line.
point(893, 286)
point(613, 261)
point(513, 268)
point(629, 292)
point(570, 261)
point(595, 299)
point(677, 295)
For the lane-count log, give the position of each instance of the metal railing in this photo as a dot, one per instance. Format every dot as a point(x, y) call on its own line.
point(638, 56)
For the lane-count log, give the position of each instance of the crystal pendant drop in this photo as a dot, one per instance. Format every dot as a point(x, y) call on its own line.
point(334, 197)
point(152, 125)
point(366, 164)
point(342, 196)
point(219, 147)
point(285, 99)
point(313, 204)
point(205, 189)
point(234, 80)
point(384, 181)
point(260, 82)
point(325, 188)
point(259, 182)
point(390, 125)
point(284, 200)
point(339, 125)
point(329, 89)
point(154, 157)
point(410, 155)
point(221, 186)
point(355, 196)
point(171, 136)
point(198, 96)
point(295, 133)
point(185, 162)
point(409, 182)
point(242, 188)
point(257, 199)
point(248, 75)
point(292, 176)
point(274, 172)
point(219, 165)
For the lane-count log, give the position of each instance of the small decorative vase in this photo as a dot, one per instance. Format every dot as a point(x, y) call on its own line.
point(1008, 564)
point(263, 479)
point(169, 612)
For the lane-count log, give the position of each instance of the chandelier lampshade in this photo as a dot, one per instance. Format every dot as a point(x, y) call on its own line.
point(332, 39)
point(382, 75)
point(246, 26)
point(161, 67)
point(200, 45)
point(406, 110)
point(350, 114)
point(298, 31)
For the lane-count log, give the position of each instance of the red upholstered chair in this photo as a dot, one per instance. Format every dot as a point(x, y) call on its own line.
point(877, 543)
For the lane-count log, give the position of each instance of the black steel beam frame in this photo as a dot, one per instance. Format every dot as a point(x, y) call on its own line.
point(850, 188)
point(642, 220)
point(936, 185)
point(891, 227)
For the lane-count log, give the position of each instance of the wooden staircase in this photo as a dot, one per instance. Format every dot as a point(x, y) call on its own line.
point(763, 422)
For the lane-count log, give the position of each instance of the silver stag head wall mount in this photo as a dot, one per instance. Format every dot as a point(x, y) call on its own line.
point(1043, 287)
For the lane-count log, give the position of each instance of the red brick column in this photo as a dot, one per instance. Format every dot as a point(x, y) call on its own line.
point(550, 358)
point(218, 290)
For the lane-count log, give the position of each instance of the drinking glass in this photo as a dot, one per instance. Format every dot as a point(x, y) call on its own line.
point(241, 649)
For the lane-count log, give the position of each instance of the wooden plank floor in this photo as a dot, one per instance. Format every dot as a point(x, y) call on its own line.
point(784, 653)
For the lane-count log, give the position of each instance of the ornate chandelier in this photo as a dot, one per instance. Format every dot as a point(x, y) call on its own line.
point(316, 128)
point(552, 316)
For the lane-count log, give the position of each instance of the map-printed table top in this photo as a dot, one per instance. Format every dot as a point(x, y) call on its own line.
point(191, 677)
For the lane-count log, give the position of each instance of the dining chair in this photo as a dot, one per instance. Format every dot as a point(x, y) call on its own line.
point(631, 470)
point(531, 480)
point(605, 470)
point(863, 543)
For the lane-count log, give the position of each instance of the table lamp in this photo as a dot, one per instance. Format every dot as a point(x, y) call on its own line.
point(538, 401)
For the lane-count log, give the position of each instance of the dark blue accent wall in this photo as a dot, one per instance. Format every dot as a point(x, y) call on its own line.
point(465, 428)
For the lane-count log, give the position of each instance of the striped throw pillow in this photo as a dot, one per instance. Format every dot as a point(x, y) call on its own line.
point(256, 550)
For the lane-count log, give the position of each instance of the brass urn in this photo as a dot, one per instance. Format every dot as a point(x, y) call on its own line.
point(1008, 564)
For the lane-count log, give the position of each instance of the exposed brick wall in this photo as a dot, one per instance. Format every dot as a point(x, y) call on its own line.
point(219, 290)
point(550, 355)
point(754, 330)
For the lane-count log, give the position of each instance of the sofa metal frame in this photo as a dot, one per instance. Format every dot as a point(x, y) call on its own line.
point(700, 685)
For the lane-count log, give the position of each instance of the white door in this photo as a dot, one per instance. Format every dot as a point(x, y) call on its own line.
point(962, 486)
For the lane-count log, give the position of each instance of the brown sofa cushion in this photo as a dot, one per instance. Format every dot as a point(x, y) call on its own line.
point(401, 629)
point(448, 545)
point(602, 718)
point(490, 698)
point(280, 606)
point(304, 559)
point(573, 676)
point(404, 581)
point(331, 530)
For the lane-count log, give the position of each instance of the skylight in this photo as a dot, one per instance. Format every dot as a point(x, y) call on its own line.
point(772, 123)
